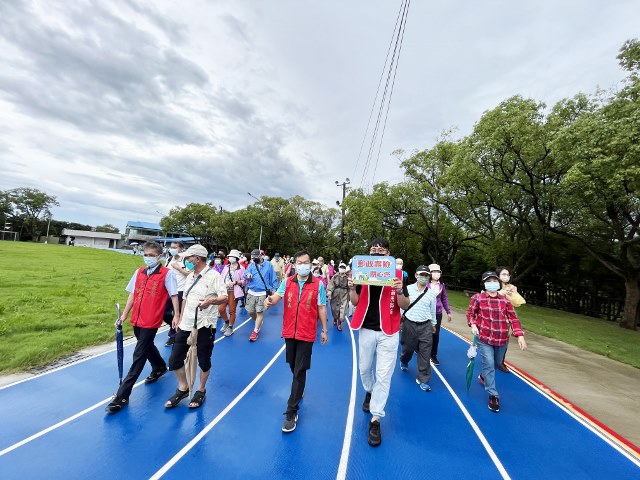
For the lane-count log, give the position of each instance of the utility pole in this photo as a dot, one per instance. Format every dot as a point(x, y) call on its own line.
point(341, 204)
point(48, 225)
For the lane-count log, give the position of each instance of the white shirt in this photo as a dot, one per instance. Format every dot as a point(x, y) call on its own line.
point(181, 277)
point(210, 285)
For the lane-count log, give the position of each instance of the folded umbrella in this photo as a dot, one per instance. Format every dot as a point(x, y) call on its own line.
point(471, 355)
point(191, 361)
point(119, 343)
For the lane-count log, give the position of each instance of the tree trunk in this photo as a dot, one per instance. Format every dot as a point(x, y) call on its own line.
point(631, 312)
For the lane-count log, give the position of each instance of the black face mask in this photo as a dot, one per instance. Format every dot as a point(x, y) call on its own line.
point(256, 260)
point(377, 255)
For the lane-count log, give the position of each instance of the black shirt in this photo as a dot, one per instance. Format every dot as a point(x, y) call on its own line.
point(372, 316)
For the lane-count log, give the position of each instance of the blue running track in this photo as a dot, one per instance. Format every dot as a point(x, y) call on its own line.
point(55, 426)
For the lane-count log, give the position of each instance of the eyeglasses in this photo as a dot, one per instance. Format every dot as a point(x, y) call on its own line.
point(377, 250)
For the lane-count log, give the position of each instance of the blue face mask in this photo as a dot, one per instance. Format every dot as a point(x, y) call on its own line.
point(492, 286)
point(303, 270)
point(189, 265)
point(150, 261)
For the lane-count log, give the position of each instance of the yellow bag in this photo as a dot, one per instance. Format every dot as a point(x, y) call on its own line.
point(514, 297)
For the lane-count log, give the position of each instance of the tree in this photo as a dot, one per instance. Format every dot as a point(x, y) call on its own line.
point(107, 228)
point(196, 219)
point(30, 204)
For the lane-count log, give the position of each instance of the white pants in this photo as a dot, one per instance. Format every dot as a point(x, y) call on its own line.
point(377, 344)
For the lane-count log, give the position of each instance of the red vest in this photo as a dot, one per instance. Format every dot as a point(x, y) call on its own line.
point(301, 316)
point(149, 298)
point(388, 306)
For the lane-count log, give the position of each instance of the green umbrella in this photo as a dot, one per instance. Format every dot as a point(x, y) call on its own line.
point(471, 354)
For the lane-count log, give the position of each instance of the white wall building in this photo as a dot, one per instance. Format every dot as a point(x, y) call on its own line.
point(84, 238)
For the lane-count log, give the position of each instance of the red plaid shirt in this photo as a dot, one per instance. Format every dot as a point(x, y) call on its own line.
point(492, 316)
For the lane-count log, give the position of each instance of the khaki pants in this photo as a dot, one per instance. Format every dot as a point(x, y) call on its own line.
point(232, 302)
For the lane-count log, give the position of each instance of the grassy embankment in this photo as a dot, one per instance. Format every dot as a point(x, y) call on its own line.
point(592, 334)
point(55, 300)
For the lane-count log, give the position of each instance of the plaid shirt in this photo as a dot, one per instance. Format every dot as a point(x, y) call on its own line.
point(492, 316)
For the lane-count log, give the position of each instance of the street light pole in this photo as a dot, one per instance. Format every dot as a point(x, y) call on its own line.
point(260, 240)
point(48, 225)
point(344, 194)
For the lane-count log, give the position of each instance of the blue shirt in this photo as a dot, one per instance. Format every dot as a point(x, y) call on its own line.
point(255, 282)
point(322, 296)
point(170, 282)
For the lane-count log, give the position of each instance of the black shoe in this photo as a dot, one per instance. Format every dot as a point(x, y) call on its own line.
point(435, 361)
point(367, 401)
point(290, 422)
point(494, 403)
point(375, 437)
point(503, 368)
point(170, 341)
point(116, 404)
point(156, 375)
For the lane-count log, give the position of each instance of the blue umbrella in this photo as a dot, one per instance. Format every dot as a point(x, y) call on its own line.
point(119, 343)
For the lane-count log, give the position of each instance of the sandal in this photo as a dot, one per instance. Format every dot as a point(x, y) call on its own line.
point(198, 399)
point(176, 398)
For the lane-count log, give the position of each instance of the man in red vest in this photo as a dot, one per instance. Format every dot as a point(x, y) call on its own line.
point(149, 288)
point(305, 301)
point(377, 316)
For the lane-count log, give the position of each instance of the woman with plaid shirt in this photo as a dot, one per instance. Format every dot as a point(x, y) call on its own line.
point(489, 316)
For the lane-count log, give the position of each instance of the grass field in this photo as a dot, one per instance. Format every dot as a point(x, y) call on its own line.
point(592, 334)
point(55, 300)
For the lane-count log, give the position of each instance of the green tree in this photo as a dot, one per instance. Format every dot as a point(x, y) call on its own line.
point(107, 228)
point(196, 219)
point(30, 204)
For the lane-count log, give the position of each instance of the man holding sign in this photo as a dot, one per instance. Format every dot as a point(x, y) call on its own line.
point(378, 298)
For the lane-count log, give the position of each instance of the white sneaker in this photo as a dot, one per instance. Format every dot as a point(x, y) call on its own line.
point(228, 331)
point(224, 327)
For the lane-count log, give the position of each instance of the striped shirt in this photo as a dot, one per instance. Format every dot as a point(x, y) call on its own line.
point(425, 309)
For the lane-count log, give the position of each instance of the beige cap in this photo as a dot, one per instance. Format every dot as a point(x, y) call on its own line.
point(195, 251)
point(235, 253)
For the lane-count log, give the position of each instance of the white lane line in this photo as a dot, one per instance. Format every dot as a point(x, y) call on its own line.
point(584, 422)
point(167, 466)
point(348, 431)
point(476, 429)
point(79, 414)
point(131, 341)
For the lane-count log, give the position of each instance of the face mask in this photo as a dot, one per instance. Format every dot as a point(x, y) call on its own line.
point(173, 252)
point(233, 259)
point(316, 274)
point(256, 260)
point(150, 261)
point(189, 265)
point(342, 270)
point(303, 270)
point(492, 286)
point(399, 266)
point(435, 275)
point(377, 254)
point(217, 261)
point(423, 280)
point(505, 278)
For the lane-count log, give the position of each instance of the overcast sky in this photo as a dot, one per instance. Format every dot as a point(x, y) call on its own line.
point(124, 109)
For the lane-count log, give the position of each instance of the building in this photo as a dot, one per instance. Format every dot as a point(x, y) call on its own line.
point(85, 238)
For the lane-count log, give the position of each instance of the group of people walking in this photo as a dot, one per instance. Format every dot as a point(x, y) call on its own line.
point(191, 291)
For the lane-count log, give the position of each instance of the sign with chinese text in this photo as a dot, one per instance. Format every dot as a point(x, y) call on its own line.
point(373, 270)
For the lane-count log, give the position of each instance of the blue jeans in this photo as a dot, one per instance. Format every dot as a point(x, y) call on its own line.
point(491, 358)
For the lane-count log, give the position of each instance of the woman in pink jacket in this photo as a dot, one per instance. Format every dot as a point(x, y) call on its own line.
point(233, 277)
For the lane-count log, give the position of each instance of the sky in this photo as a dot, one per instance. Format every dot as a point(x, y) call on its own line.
point(128, 108)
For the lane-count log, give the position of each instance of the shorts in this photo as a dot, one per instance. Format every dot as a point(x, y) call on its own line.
point(204, 346)
point(255, 303)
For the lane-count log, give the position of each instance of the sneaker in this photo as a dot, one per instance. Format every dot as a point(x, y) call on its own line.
point(404, 366)
point(116, 404)
point(375, 437)
point(423, 386)
point(481, 379)
point(253, 337)
point(340, 327)
point(494, 403)
point(367, 401)
point(290, 422)
point(156, 375)
point(170, 342)
point(335, 323)
point(225, 325)
point(435, 361)
point(229, 331)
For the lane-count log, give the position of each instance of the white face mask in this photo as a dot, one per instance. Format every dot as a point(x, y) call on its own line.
point(399, 266)
point(342, 269)
point(233, 259)
point(505, 278)
point(435, 275)
point(173, 252)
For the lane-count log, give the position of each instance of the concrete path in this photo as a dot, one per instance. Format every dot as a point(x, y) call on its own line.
point(606, 389)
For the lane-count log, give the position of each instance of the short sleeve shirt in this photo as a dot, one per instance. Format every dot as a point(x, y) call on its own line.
point(210, 285)
point(322, 295)
point(169, 282)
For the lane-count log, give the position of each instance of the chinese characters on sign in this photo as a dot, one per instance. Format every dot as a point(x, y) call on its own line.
point(373, 270)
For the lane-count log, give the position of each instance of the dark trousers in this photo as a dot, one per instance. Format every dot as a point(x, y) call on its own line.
point(417, 337)
point(298, 354)
point(168, 314)
point(436, 336)
point(145, 350)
